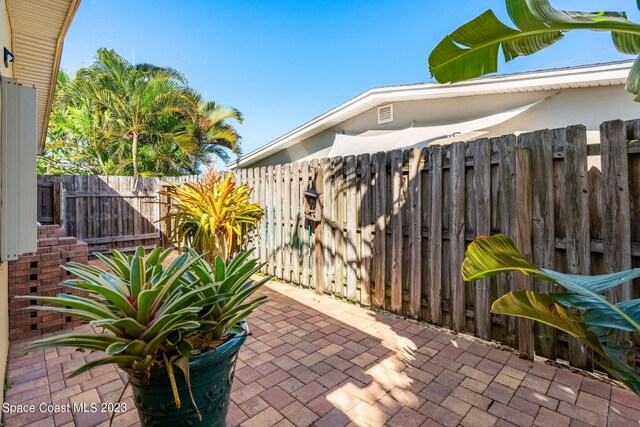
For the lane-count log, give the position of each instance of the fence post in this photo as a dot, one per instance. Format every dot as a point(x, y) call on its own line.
point(395, 159)
point(577, 233)
point(319, 234)
point(414, 199)
point(165, 224)
point(57, 202)
point(523, 230)
point(616, 221)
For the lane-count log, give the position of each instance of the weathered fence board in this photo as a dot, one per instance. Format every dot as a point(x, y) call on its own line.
point(457, 234)
point(379, 191)
point(395, 159)
point(305, 244)
point(482, 197)
point(616, 216)
point(286, 221)
point(543, 239)
point(435, 236)
point(577, 233)
point(366, 250)
point(522, 237)
point(414, 200)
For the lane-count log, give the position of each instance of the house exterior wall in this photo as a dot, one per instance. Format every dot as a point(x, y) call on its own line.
point(5, 41)
point(587, 106)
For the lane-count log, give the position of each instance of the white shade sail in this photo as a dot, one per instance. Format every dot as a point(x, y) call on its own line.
point(345, 145)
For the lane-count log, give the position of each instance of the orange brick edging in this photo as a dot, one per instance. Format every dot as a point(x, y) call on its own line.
point(40, 274)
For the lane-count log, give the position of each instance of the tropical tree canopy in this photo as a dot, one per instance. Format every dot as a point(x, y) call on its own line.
point(118, 118)
point(472, 50)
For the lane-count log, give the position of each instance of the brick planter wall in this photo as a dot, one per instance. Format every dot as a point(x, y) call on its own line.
point(40, 274)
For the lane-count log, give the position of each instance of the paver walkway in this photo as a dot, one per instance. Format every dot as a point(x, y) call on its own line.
point(313, 360)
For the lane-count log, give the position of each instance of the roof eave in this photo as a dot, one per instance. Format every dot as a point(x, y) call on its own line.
point(603, 74)
point(73, 8)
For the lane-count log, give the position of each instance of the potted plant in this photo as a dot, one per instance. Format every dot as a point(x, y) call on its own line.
point(175, 329)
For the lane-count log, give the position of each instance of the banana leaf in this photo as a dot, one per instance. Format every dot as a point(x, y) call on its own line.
point(584, 313)
point(472, 50)
point(545, 309)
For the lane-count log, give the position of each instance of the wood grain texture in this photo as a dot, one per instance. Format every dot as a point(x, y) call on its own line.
point(543, 238)
point(270, 218)
point(523, 241)
point(328, 217)
point(338, 203)
point(351, 242)
point(456, 235)
point(365, 189)
point(414, 202)
point(262, 201)
point(286, 222)
point(577, 235)
point(481, 150)
point(296, 226)
point(395, 223)
point(304, 246)
point(616, 219)
point(506, 213)
point(379, 169)
point(435, 235)
point(278, 223)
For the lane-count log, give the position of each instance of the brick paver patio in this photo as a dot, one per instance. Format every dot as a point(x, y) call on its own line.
point(313, 360)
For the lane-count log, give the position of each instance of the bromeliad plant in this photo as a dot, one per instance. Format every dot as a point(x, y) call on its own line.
point(211, 216)
point(583, 312)
point(155, 316)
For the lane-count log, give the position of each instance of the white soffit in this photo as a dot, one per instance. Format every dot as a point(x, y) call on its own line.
point(608, 74)
point(38, 31)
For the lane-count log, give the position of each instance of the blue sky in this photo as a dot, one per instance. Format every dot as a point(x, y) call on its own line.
point(285, 62)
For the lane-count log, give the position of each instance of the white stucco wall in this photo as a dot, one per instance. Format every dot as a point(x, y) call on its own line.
point(588, 106)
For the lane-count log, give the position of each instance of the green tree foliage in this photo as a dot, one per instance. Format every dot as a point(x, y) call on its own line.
point(118, 118)
point(472, 50)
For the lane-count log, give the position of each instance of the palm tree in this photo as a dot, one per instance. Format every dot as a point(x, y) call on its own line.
point(212, 132)
point(139, 119)
point(135, 95)
point(79, 134)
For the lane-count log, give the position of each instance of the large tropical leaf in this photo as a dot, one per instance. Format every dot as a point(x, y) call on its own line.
point(488, 256)
point(584, 313)
point(545, 309)
point(472, 50)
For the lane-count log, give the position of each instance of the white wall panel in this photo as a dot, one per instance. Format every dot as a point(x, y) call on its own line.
point(18, 167)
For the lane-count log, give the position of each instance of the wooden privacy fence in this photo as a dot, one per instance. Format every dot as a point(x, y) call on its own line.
point(106, 211)
point(395, 225)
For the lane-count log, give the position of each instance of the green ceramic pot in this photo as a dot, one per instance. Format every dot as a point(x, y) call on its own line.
point(211, 378)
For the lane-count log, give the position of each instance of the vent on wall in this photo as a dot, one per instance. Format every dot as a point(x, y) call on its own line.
point(385, 114)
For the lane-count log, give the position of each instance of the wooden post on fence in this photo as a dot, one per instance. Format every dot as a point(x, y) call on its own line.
point(319, 233)
point(57, 205)
point(523, 229)
point(576, 209)
point(165, 225)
